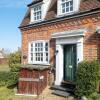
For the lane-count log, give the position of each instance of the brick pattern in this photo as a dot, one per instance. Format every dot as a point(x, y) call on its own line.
point(91, 39)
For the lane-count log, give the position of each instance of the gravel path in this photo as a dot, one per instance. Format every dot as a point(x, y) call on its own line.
point(46, 95)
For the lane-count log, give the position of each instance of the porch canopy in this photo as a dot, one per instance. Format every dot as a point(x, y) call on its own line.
point(69, 33)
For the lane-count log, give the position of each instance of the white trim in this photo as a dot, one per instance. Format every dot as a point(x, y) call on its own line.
point(59, 64)
point(26, 95)
point(71, 33)
point(76, 4)
point(80, 51)
point(32, 12)
point(60, 42)
point(45, 6)
point(29, 52)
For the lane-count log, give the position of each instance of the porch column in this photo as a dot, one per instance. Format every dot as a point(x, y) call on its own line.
point(59, 64)
point(80, 52)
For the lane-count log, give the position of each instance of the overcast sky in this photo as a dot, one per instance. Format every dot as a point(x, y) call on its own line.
point(11, 15)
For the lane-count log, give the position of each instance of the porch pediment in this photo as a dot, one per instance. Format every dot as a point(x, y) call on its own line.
point(70, 33)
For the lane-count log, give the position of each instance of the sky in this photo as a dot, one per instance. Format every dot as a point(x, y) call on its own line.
point(11, 15)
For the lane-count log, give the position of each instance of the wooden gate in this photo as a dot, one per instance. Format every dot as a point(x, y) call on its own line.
point(32, 81)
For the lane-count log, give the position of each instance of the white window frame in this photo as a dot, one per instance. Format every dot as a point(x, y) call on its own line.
point(69, 6)
point(37, 12)
point(32, 13)
point(44, 62)
point(59, 8)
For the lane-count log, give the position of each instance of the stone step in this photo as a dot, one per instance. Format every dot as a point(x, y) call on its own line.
point(56, 87)
point(61, 93)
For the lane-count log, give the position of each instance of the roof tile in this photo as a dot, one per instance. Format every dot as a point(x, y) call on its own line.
point(85, 5)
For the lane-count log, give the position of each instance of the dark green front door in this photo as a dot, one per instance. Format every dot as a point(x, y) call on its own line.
point(69, 62)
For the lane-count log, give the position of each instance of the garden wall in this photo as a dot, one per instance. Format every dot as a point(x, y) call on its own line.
point(3, 60)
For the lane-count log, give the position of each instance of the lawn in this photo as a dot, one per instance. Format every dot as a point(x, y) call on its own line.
point(4, 67)
point(6, 94)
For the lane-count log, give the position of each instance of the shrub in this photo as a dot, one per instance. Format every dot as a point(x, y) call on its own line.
point(87, 77)
point(94, 96)
point(8, 78)
point(14, 61)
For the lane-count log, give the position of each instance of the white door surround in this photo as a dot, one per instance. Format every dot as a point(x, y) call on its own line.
point(60, 42)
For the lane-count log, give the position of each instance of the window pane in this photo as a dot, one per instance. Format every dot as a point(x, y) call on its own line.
point(34, 8)
point(31, 54)
point(31, 49)
point(36, 54)
point(39, 7)
point(46, 49)
point(63, 0)
point(34, 18)
point(40, 52)
point(31, 45)
point(67, 6)
point(38, 58)
point(71, 8)
point(46, 44)
point(46, 56)
point(35, 44)
point(63, 5)
point(37, 13)
point(71, 2)
point(31, 58)
point(63, 10)
point(35, 49)
point(41, 58)
point(67, 9)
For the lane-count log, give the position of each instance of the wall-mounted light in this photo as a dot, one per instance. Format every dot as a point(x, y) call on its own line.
point(98, 30)
point(56, 52)
point(24, 57)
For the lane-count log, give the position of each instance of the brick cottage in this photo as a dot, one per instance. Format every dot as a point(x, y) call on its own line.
point(58, 34)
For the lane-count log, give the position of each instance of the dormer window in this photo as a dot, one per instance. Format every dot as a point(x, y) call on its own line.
point(66, 6)
point(38, 10)
point(37, 13)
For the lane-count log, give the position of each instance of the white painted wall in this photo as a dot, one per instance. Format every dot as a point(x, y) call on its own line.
point(59, 64)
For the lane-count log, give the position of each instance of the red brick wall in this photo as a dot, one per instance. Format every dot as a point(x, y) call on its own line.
point(3, 60)
point(91, 39)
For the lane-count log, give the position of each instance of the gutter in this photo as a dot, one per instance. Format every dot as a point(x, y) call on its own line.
point(78, 15)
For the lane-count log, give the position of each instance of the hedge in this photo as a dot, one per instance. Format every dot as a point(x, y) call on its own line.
point(87, 78)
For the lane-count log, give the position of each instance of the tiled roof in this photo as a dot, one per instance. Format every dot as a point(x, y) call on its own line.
point(85, 5)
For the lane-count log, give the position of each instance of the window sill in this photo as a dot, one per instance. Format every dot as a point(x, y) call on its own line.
point(65, 14)
point(35, 21)
point(45, 64)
